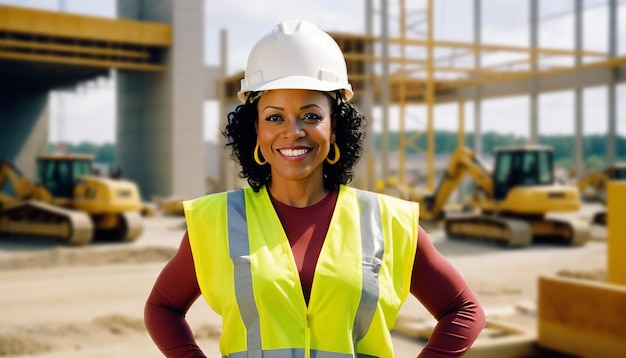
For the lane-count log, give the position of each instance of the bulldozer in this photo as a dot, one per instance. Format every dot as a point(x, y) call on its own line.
point(68, 202)
point(512, 203)
point(592, 187)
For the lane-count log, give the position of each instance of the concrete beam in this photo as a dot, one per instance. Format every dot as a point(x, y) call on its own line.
point(555, 83)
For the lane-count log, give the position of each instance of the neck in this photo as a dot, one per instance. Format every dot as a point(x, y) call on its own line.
point(296, 194)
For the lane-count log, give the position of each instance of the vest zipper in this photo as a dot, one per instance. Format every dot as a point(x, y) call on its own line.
point(307, 337)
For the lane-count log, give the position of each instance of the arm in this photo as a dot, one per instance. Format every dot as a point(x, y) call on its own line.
point(174, 291)
point(445, 294)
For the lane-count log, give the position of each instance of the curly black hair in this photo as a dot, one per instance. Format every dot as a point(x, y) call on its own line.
point(240, 133)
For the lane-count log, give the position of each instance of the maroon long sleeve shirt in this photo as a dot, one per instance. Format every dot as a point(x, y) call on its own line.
point(435, 283)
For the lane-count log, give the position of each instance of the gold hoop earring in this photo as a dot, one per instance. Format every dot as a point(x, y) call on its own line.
point(337, 155)
point(257, 156)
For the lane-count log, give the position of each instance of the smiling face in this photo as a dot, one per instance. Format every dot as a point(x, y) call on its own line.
point(294, 133)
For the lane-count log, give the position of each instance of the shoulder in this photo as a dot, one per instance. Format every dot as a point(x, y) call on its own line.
point(209, 200)
point(205, 198)
point(386, 199)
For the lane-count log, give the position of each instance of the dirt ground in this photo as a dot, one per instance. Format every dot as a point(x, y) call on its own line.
point(60, 301)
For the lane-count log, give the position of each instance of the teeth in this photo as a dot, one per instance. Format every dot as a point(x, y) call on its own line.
point(293, 152)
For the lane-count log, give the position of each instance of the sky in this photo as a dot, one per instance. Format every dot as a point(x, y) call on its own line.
point(88, 113)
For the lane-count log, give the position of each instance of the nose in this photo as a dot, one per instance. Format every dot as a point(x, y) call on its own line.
point(293, 129)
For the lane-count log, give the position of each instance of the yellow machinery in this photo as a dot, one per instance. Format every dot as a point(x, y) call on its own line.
point(512, 202)
point(585, 317)
point(592, 187)
point(69, 203)
point(173, 206)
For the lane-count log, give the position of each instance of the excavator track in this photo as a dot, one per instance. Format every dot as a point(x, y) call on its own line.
point(133, 224)
point(128, 227)
point(599, 218)
point(562, 230)
point(509, 232)
point(517, 231)
point(38, 219)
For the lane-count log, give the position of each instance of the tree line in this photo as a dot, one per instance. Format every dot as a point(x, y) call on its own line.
point(594, 146)
point(102, 153)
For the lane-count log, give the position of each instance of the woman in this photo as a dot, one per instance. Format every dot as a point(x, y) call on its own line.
point(300, 264)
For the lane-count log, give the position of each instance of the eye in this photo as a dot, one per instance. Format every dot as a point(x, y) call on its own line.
point(312, 117)
point(273, 118)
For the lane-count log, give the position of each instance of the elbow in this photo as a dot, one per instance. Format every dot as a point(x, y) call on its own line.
point(481, 316)
point(148, 311)
point(153, 310)
point(475, 317)
point(477, 312)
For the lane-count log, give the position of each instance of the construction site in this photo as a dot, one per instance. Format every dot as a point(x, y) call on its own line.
point(80, 249)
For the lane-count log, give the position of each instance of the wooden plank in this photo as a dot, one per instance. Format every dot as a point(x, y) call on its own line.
point(73, 49)
point(498, 339)
point(82, 61)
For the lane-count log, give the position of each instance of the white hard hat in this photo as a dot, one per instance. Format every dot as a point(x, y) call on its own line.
point(298, 55)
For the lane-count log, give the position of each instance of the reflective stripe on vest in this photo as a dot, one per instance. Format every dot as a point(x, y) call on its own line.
point(296, 353)
point(239, 247)
point(372, 249)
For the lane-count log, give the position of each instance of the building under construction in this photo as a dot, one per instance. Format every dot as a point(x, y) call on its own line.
point(395, 63)
point(403, 64)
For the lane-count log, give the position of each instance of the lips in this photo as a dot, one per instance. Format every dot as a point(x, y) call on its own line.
point(292, 153)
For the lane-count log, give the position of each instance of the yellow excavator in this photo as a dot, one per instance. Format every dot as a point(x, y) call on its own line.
point(512, 202)
point(592, 187)
point(69, 202)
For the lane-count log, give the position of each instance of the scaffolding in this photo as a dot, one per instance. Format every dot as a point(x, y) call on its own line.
point(403, 64)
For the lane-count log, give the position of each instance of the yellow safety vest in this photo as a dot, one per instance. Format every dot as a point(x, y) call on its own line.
point(247, 274)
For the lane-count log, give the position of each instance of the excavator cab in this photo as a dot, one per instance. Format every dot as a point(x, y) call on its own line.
point(60, 173)
point(521, 167)
point(616, 172)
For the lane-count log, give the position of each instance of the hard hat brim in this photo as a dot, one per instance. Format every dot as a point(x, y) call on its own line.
point(297, 82)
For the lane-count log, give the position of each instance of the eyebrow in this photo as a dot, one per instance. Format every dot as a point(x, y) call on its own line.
point(272, 107)
point(306, 106)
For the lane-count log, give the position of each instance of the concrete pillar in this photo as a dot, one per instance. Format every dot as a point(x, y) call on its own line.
point(160, 116)
point(367, 166)
point(24, 124)
point(384, 89)
point(612, 87)
point(478, 94)
point(478, 141)
point(579, 156)
point(229, 169)
point(534, 90)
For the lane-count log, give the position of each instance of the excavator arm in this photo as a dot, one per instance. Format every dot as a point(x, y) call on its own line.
point(14, 186)
point(595, 180)
point(592, 186)
point(462, 162)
